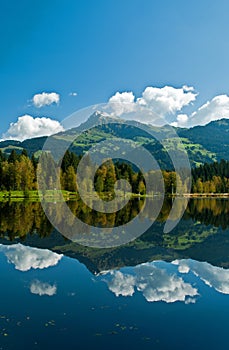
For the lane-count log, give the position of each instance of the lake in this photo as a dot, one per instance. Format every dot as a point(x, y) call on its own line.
point(159, 291)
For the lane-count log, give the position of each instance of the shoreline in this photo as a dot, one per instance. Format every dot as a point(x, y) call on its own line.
point(67, 195)
point(34, 194)
point(205, 195)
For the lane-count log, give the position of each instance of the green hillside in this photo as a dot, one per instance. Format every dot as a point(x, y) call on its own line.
point(204, 144)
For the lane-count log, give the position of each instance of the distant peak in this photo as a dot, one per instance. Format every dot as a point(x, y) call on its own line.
point(101, 117)
point(98, 118)
point(101, 114)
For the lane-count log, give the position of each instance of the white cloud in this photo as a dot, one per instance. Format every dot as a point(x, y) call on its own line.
point(45, 99)
point(73, 94)
point(25, 258)
point(167, 103)
point(153, 282)
point(41, 288)
point(27, 127)
point(182, 120)
point(167, 100)
point(213, 276)
point(122, 102)
point(215, 109)
point(162, 102)
point(188, 88)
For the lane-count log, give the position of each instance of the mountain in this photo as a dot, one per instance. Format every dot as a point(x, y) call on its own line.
point(203, 143)
point(214, 137)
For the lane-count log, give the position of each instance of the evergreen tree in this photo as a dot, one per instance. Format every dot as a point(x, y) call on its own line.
point(13, 156)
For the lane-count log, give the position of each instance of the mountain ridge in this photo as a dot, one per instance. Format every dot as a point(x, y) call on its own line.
point(204, 144)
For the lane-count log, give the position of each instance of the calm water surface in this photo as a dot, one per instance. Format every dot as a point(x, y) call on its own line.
point(162, 291)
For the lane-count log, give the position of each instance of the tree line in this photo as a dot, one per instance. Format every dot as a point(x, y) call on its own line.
point(211, 178)
point(106, 176)
point(18, 171)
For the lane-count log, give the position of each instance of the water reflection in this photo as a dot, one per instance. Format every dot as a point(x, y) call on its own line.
point(64, 302)
point(213, 276)
point(209, 211)
point(25, 222)
point(25, 258)
point(17, 219)
point(154, 282)
point(160, 281)
point(43, 288)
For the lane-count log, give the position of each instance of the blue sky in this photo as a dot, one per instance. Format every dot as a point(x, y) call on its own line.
point(96, 48)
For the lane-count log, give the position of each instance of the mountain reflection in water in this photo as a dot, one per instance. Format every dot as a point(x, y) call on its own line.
point(202, 234)
point(68, 295)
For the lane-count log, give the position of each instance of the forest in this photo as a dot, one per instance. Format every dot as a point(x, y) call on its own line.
point(211, 178)
point(18, 172)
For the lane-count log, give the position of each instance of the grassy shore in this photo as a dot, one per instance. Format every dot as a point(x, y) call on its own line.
point(59, 195)
point(35, 195)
